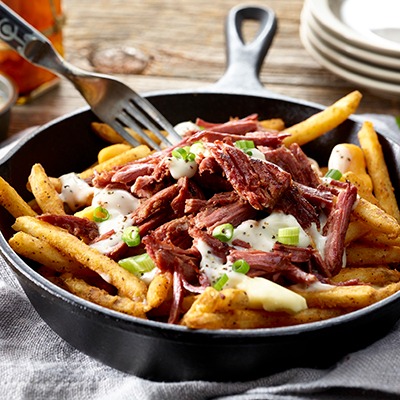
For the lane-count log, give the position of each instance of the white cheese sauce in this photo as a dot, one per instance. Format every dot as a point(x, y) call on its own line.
point(181, 129)
point(179, 168)
point(262, 234)
point(255, 153)
point(75, 191)
point(119, 204)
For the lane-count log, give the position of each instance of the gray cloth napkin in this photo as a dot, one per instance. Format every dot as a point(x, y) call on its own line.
point(37, 364)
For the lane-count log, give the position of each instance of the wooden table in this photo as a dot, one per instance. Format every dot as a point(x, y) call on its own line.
point(185, 45)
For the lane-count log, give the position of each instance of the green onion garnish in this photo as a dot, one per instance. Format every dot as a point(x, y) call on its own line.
point(100, 214)
point(181, 152)
point(137, 265)
point(289, 235)
point(197, 148)
point(221, 282)
point(241, 266)
point(131, 236)
point(223, 232)
point(333, 174)
point(245, 144)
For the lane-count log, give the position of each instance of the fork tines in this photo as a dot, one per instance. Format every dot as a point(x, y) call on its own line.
point(140, 114)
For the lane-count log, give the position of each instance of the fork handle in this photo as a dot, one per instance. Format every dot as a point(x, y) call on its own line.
point(30, 43)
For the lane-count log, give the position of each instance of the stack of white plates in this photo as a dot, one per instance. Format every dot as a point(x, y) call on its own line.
point(358, 40)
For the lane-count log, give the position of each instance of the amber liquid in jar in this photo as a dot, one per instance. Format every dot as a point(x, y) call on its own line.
point(46, 16)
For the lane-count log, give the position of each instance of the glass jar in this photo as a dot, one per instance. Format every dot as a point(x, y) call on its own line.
point(47, 17)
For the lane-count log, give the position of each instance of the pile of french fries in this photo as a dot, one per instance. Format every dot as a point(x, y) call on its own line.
point(372, 241)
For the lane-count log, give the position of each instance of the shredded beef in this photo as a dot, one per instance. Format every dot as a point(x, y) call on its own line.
point(260, 138)
point(234, 126)
point(272, 265)
point(258, 182)
point(218, 248)
point(336, 227)
point(294, 161)
point(214, 213)
point(292, 202)
point(132, 171)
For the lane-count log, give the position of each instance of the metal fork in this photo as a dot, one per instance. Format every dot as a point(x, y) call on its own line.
point(111, 101)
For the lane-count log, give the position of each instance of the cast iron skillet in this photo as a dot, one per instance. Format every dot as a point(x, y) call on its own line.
point(159, 351)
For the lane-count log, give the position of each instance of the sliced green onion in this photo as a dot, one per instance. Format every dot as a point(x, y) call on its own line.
point(184, 153)
point(223, 232)
point(137, 265)
point(190, 157)
point(289, 235)
point(131, 236)
point(181, 152)
point(100, 214)
point(241, 266)
point(197, 148)
point(245, 144)
point(333, 174)
point(221, 282)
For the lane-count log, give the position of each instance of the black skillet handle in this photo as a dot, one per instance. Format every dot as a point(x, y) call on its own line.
point(244, 60)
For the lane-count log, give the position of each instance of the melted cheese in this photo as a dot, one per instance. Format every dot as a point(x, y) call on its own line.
point(347, 157)
point(265, 294)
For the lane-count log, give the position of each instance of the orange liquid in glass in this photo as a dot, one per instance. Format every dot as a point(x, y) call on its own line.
point(46, 16)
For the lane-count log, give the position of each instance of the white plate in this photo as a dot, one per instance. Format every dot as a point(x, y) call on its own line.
point(364, 23)
point(347, 48)
point(374, 85)
point(351, 64)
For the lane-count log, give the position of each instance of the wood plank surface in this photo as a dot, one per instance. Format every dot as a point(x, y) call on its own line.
point(184, 43)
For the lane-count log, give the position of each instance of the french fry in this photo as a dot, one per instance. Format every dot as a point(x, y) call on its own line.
point(254, 319)
point(322, 122)
point(348, 297)
point(378, 238)
point(376, 218)
point(128, 156)
point(356, 230)
point(363, 184)
point(212, 311)
point(128, 285)
point(159, 289)
point(212, 300)
point(276, 124)
point(99, 296)
point(43, 253)
point(112, 151)
point(378, 275)
point(13, 202)
point(377, 169)
point(387, 291)
point(45, 194)
point(107, 133)
point(366, 254)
